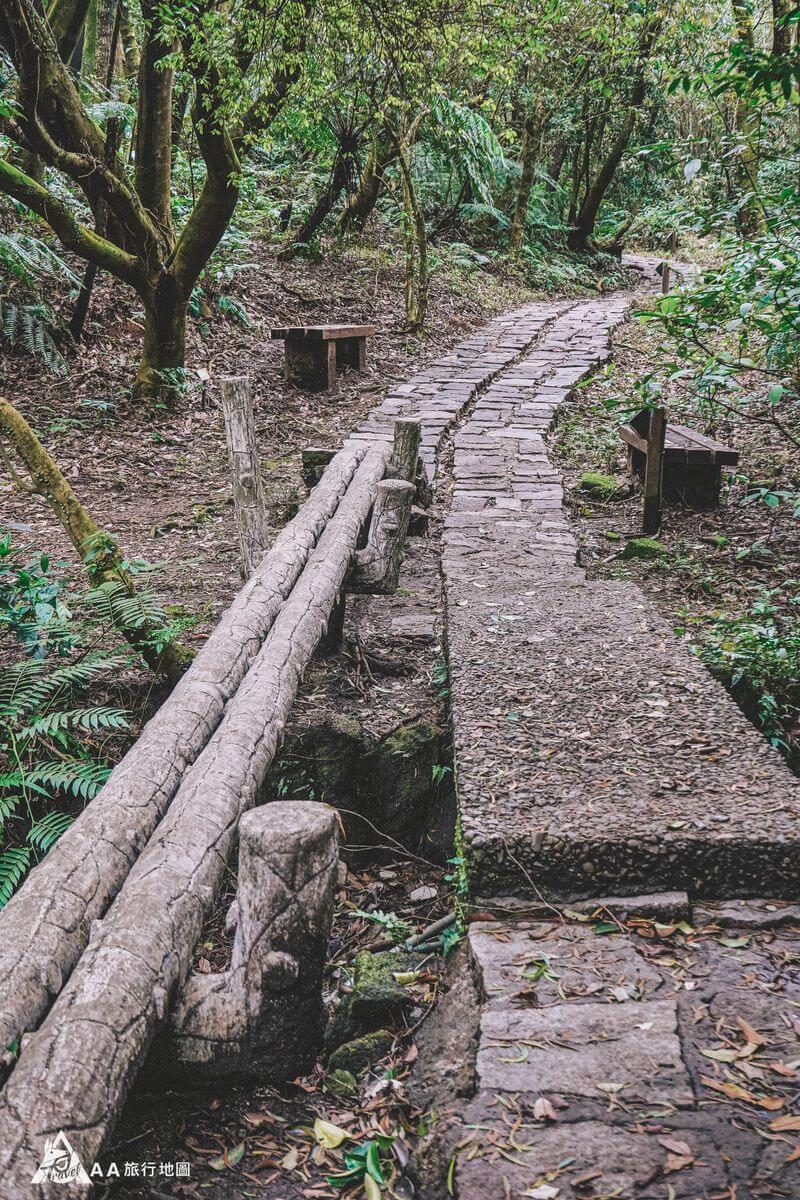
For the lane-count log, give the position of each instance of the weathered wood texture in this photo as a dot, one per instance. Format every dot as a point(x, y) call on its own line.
point(405, 449)
point(314, 352)
point(248, 490)
point(376, 568)
point(45, 927)
point(264, 1017)
point(654, 469)
point(75, 1071)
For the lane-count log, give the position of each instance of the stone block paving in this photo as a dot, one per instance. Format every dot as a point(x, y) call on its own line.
point(593, 752)
point(639, 1048)
point(622, 1055)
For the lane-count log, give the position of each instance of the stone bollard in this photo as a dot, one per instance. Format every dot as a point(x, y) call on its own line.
point(264, 1017)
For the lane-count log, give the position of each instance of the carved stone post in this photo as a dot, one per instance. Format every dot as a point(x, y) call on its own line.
point(264, 1017)
point(376, 568)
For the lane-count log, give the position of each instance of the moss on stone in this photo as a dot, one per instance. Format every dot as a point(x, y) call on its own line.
point(602, 487)
point(644, 547)
point(361, 1053)
point(378, 999)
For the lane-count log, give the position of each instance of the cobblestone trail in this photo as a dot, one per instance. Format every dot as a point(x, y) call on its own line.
point(645, 1047)
point(594, 753)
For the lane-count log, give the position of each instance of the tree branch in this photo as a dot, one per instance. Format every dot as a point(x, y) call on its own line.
point(68, 229)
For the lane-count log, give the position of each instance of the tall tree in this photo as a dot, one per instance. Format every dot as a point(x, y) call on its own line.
point(242, 66)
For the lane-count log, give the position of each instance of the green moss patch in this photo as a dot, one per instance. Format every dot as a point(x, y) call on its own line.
point(644, 547)
point(602, 487)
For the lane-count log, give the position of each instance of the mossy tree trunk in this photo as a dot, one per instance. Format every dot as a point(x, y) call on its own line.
point(381, 155)
point(530, 146)
point(138, 245)
point(98, 551)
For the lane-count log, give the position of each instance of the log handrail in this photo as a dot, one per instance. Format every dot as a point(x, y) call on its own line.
point(45, 926)
point(76, 1070)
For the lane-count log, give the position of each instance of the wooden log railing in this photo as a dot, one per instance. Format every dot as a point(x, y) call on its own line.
point(75, 1071)
point(45, 927)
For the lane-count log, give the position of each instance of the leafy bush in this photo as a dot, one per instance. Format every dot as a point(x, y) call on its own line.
point(53, 732)
point(757, 656)
point(31, 602)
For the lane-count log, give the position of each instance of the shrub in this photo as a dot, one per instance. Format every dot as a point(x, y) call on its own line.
point(757, 656)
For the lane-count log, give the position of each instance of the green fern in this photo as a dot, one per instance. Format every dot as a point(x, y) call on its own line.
point(79, 777)
point(8, 806)
point(114, 603)
point(50, 738)
point(97, 719)
point(44, 833)
point(13, 865)
point(33, 325)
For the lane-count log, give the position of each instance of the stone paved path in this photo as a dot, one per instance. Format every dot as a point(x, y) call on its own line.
point(593, 753)
point(643, 1048)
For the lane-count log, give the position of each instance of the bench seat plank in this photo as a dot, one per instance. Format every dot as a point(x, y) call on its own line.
point(322, 333)
point(684, 445)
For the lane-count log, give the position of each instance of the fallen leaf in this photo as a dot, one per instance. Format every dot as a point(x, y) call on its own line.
point(751, 1035)
point(543, 1110)
point(290, 1160)
point(793, 1157)
point(543, 1191)
point(683, 1149)
point(724, 1056)
point(423, 893)
point(329, 1136)
point(781, 1124)
point(675, 1163)
point(782, 1069)
point(734, 1092)
point(228, 1158)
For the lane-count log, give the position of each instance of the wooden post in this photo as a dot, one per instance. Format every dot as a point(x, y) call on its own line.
point(248, 489)
point(665, 278)
point(405, 451)
point(653, 472)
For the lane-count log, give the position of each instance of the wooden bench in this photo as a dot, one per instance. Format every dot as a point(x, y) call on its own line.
point(692, 462)
point(315, 352)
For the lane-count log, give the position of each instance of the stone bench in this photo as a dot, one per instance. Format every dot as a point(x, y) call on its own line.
point(314, 353)
point(692, 461)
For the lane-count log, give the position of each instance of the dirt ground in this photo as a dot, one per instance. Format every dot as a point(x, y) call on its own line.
point(717, 561)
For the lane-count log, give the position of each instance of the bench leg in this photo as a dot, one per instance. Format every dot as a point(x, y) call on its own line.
point(352, 352)
point(311, 363)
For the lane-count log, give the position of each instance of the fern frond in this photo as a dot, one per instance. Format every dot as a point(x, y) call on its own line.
point(13, 865)
point(79, 777)
point(45, 833)
point(93, 720)
point(27, 686)
point(8, 808)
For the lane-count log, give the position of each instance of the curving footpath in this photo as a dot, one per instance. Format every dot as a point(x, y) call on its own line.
point(628, 1025)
